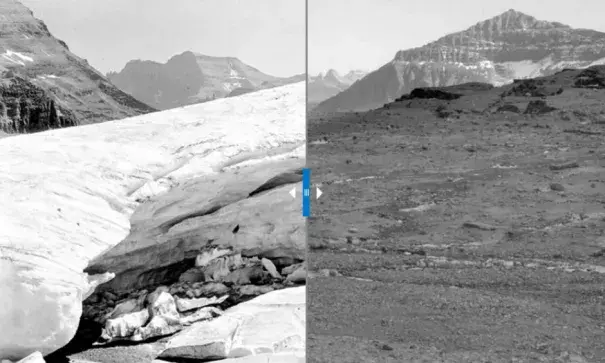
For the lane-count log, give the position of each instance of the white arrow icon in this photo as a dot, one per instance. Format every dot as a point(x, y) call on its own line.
point(318, 193)
point(293, 192)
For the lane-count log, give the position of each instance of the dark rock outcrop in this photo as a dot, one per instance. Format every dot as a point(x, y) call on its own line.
point(24, 107)
point(433, 93)
point(538, 107)
point(593, 77)
point(508, 108)
point(533, 88)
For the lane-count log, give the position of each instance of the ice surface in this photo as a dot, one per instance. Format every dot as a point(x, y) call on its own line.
point(67, 196)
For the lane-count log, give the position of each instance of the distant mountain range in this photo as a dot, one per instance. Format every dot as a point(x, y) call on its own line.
point(330, 83)
point(43, 85)
point(190, 78)
point(509, 46)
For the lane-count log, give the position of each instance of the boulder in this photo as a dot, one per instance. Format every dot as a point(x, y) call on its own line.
point(272, 324)
point(68, 196)
point(270, 267)
point(299, 275)
point(125, 325)
point(193, 304)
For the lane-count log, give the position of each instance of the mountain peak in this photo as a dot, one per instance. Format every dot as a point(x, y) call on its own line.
point(487, 39)
point(332, 72)
point(513, 20)
point(498, 50)
point(210, 57)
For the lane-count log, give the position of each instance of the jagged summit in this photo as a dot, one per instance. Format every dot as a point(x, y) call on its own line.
point(191, 77)
point(329, 83)
point(513, 20)
point(511, 29)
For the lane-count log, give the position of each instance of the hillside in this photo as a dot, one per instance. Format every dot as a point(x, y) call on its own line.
point(190, 78)
point(462, 224)
point(509, 46)
point(44, 85)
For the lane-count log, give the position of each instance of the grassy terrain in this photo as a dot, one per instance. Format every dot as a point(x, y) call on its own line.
point(477, 233)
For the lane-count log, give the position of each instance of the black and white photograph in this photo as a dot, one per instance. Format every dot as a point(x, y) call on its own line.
point(459, 149)
point(151, 167)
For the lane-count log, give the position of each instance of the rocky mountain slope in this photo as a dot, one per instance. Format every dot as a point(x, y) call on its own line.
point(330, 83)
point(190, 78)
point(509, 46)
point(43, 85)
point(167, 190)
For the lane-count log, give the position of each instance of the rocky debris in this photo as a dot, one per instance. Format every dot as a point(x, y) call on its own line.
point(538, 107)
point(563, 166)
point(224, 278)
point(272, 324)
point(125, 325)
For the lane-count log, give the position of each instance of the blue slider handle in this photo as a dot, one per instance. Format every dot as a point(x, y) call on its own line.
point(306, 198)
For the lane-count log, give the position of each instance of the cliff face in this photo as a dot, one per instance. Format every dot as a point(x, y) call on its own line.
point(25, 107)
point(190, 78)
point(44, 85)
point(509, 46)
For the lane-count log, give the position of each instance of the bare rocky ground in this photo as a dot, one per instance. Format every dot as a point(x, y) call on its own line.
point(462, 230)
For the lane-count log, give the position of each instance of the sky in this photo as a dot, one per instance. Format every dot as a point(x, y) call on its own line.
point(366, 34)
point(266, 34)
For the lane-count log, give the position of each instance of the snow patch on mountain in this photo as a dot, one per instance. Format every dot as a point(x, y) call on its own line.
point(16, 57)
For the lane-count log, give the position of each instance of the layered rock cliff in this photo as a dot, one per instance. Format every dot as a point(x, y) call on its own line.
point(190, 78)
point(509, 46)
point(25, 107)
point(44, 85)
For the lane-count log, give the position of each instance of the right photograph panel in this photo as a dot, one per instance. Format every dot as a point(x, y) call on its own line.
point(459, 150)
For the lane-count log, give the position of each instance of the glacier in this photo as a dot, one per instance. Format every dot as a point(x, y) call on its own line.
point(67, 196)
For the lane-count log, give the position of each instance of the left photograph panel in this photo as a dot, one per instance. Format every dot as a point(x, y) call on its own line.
point(151, 163)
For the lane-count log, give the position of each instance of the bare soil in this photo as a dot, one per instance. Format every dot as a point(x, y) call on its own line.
point(465, 231)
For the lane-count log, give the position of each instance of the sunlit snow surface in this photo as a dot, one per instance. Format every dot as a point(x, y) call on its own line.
point(66, 196)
